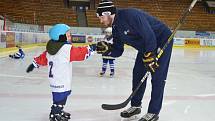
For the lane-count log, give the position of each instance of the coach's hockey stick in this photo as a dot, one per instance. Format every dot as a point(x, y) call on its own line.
point(180, 22)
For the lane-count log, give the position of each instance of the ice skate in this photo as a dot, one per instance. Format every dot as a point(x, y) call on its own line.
point(101, 74)
point(57, 117)
point(111, 75)
point(149, 117)
point(131, 113)
point(66, 114)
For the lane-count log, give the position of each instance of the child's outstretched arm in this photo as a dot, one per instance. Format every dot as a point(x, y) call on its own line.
point(38, 61)
point(41, 60)
point(81, 53)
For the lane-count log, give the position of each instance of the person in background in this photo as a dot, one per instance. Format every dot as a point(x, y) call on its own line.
point(18, 55)
point(105, 57)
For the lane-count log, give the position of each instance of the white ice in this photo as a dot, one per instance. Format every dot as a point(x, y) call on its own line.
point(189, 92)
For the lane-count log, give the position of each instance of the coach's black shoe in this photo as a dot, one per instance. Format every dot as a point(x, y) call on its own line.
point(132, 111)
point(149, 117)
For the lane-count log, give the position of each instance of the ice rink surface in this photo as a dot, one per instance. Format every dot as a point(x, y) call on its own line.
point(189, 92)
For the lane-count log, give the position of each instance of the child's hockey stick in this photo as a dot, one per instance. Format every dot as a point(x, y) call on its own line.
point(180, 22)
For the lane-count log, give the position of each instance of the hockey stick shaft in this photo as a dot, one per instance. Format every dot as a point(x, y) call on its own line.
point(180, 22)
point(178, 25)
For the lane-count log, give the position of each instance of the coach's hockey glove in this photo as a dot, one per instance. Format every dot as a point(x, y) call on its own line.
point(103, 47)
point(150, 61)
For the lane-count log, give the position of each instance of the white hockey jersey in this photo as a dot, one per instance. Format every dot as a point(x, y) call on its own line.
point(60, 66)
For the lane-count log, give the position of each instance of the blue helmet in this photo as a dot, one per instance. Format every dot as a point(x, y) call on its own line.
point(57, 30)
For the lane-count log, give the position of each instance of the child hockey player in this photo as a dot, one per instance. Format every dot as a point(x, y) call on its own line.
point(18, 55)
point(105, 57)
point(58, 56)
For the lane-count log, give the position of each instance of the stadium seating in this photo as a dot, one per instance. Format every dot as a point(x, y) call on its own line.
point(167, 11)
point(49, 12)
point(42, 12)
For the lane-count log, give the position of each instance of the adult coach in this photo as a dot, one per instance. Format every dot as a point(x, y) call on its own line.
point(147, 35)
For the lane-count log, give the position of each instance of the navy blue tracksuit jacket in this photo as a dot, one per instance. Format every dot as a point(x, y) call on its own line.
point(145, 33)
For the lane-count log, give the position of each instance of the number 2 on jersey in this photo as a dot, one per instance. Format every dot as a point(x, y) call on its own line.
point(50, 70)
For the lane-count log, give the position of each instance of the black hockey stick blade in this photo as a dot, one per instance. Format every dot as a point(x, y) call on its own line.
point(125, 103)
point(115, 106)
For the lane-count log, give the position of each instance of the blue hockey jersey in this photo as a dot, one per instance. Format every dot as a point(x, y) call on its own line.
point(138, 29)
point(18, 55)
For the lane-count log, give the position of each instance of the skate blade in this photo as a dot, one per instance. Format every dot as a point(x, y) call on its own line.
point(100, 75)
point(132, 118)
